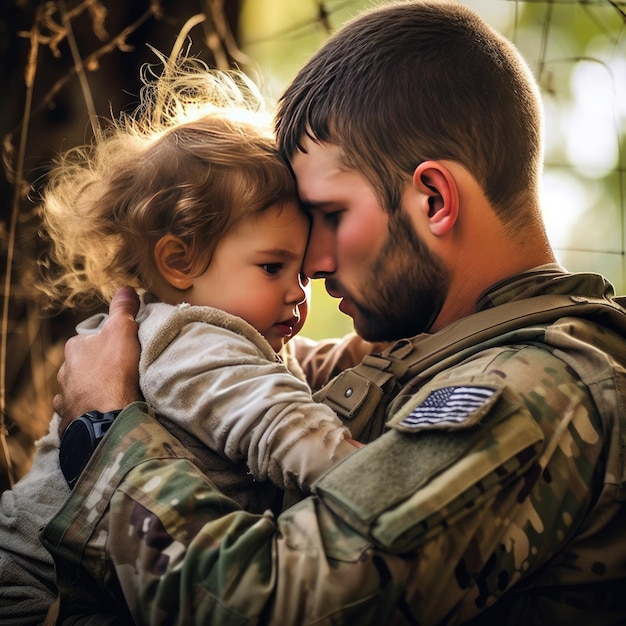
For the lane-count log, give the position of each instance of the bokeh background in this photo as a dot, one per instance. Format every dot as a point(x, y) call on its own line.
point(65, 63)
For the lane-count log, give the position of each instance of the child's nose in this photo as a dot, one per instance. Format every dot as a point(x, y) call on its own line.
point(298, 292)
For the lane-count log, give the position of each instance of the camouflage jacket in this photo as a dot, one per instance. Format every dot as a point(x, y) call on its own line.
point(496, 495)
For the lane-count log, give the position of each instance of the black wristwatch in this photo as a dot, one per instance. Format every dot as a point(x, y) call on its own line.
point(80, 440)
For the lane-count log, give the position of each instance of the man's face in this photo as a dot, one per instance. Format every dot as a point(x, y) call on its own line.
point(387, 279)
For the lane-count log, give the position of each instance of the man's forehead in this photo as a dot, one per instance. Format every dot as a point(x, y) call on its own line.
point(315, 167)
point(319, 153)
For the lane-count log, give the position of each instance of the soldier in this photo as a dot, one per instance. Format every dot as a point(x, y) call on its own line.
point(496, 492)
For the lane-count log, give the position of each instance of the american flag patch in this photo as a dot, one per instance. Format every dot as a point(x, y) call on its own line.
point(451, 406)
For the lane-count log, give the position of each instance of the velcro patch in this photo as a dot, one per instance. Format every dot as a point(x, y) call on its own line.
point(450, 406)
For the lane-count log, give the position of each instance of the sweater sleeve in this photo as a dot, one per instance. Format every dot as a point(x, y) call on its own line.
point(216, 377)
point(323, 360)
point(27, 575)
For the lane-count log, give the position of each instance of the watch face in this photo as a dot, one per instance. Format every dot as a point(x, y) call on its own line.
point(77, 446)
point(80, 440)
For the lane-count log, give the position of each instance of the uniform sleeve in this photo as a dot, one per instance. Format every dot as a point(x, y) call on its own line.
point(425, 524)
point(183, 549)
point(224, 566)
point(220, 387)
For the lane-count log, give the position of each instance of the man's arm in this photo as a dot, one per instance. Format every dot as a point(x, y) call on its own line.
point(412, 525)
point(176, 547)
point(144, 528)
point(199, 516)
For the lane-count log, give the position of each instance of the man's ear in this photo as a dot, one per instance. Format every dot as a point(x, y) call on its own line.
point(438, 186)
point(173, 260)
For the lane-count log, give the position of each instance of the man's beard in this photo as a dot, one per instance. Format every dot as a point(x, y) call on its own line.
point(406, 289)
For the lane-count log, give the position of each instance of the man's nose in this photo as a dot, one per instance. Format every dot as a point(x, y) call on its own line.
point(319, 259)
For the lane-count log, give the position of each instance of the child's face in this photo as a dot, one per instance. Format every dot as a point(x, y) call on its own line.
point(255, 273)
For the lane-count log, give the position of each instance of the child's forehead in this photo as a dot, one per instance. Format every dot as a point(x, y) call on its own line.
point(282, 213)
point(281, 220)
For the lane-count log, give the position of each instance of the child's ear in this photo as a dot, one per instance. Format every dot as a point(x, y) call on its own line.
point(173, 260)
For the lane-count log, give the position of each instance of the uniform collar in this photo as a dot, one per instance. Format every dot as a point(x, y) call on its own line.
point(545, 279)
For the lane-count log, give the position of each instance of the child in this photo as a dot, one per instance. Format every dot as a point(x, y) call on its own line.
point(193, 207)
point(188, 202)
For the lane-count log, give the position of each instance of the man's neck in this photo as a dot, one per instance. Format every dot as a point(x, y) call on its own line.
point(465, 292)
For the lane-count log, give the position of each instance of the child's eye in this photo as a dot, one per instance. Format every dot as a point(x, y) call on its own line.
point(271, 268)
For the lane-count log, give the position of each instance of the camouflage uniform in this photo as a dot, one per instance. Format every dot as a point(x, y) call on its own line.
point(500, 480)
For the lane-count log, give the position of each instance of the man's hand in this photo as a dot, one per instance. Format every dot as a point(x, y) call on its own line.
point(101, 372)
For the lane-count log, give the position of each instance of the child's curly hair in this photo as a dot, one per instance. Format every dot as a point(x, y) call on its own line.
point(195, 157)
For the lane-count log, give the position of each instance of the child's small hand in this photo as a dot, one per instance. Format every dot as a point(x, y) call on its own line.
point(355, 443)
